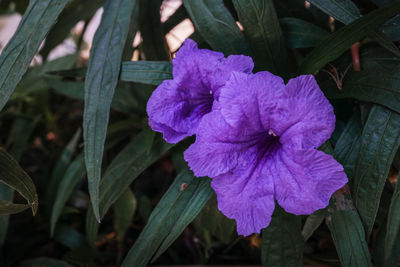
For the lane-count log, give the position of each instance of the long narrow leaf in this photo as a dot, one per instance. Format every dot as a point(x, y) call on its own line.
point(7, 207)
point(67, 184)
point(19, 136)
point(16, 56)
point(346, 11)
point(178, 207)
point(75, 12)
point(379, 143)
point(378, 82)
point(100, 83)
point(338, 42)
point(61, 167)
point(14, 176)
point(148, 72)
point(300, 33)
point(261, 27)
point(216, 26)
point(348, 145)
point(124, 209)
point(7, 194)
point(343, 10)
point(139, 154)
point(347, 231)
point(282, 242)
point(393, 223)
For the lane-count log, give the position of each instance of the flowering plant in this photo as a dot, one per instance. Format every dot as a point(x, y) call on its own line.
point(200, 132)
point(255, 136)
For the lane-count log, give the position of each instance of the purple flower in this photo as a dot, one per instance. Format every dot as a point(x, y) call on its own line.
point(177, 106)
point(261, 144)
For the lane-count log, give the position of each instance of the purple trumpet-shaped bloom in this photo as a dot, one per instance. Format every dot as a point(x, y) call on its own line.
point(260, 145)
point(177, 106)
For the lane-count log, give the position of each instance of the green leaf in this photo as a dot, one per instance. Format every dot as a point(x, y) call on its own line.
point(178, 207)
point(61, 167)
point(312, 223)
point(292, 8)
point(100, 83)
point(216, 25)
point(18, 138)
point(124, 209)
point(381, 2)
point(343, 10)
point(19, 135)
point(74, 171)
point(126, 99)
point(138, 155)
point(391, 28)
point(17, 55)
point(379, 143)
point(385, 42)
point(348, 145)
point(15, 177)
point(147, 72)
point(212, 222)
point(70, 72)
point(44, 262)
point(68, 88)
point(379, 251)
point(69, 237)
point(378, 82)
point(393, 223)
point(73, 13)
point(337, 43)
point(69, 180)
point(262, 29)
point(282, 242)
point(153, 46)
point(300, 33)
point(346, 11)
point(7, 194)
point(194, 205)
point(34, 81)
point(7, 207)
point(347, 231)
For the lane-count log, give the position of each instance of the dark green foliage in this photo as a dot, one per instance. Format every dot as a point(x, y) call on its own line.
point(262, 29)
point(12, 175)
point(178, 207)
point(217, 26)
point(347, 231)
point(282, 242)
point(379, 142)
point(101, 80)
point(152, 208)
point(15, 59)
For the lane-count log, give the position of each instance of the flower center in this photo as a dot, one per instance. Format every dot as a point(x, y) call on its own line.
point(267, 145)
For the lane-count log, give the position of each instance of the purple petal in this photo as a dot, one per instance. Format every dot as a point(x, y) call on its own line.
point(177, 106)
point(169, 134)
point(246, 194)
point(305, 179)
point(218, 147)
point(170, 112)
point(251, 99)
point(238, 160)
point(304, 116)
